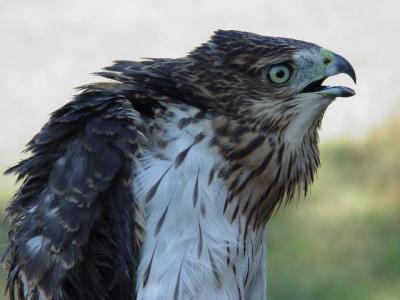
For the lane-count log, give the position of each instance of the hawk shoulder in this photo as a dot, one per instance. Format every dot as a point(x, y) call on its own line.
point(73, 230)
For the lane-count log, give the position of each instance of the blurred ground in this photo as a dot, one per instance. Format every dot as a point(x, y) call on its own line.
point(343, 241)
point(48, 47)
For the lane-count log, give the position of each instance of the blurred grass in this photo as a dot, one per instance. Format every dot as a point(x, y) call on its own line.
point(341, 242)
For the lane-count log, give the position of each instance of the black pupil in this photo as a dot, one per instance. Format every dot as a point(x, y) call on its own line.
point(280, 74)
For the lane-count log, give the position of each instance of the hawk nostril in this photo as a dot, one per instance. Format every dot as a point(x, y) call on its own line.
point(327, 61)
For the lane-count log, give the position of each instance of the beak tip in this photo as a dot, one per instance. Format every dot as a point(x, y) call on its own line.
point(353, 76)
point(345, 67)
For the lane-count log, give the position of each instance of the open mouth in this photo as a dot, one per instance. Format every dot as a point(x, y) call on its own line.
point(328, 91)
point(315, 86)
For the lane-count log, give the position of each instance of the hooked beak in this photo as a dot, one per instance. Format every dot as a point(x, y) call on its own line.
point(338, 65)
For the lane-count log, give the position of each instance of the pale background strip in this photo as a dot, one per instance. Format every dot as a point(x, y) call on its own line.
point(48, 47)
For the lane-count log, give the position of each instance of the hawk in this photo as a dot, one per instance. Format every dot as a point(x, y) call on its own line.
point(158, 182)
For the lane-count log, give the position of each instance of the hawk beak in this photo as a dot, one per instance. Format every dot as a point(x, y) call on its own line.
point(339, 65)
point(336, 65)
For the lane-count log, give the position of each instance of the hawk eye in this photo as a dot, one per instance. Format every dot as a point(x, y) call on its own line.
point(279, 74)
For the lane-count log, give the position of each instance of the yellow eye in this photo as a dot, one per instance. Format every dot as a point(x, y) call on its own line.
point(279, 74)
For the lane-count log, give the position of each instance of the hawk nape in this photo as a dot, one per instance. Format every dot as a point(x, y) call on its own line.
point(157, 184)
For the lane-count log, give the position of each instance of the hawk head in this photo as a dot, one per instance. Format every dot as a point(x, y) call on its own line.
point(271, 84)
point(265, 101)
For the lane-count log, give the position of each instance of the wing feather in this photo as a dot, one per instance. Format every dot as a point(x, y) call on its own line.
point(73, 219)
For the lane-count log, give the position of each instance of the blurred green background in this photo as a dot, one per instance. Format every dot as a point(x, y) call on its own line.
point(342, 241)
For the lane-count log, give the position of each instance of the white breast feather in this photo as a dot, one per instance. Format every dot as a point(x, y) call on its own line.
point(174, 251)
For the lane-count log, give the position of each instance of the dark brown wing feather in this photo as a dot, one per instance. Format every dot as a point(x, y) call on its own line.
point(72, 221)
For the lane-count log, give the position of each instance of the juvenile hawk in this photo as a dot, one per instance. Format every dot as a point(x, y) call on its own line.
point(157, 184)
